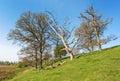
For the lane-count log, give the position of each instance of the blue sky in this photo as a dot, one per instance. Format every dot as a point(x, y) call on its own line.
point(10, 11)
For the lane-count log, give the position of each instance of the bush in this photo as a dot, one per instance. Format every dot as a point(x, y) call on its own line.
point(21, 65)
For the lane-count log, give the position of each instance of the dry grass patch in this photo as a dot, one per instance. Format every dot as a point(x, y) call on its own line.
point(6, 72)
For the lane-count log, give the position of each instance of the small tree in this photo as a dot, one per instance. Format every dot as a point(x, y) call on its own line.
point(59, 52)
point(30, 54)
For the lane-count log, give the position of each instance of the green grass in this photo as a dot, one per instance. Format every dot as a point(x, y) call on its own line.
point(97, 66)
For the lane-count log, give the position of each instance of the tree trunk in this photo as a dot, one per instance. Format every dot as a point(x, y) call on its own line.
point(41, 61)
point(71, 55)
point(41, 52)
point(36, 58)
point(68, 50)
point(91, 44)
point(99, 44)
point(98, 39)
point(97, 34)
point(92, 49)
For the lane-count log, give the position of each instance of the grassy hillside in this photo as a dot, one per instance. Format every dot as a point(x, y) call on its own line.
point(97, 66)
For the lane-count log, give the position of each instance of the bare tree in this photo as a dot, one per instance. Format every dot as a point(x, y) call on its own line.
point(98, 24)
point(31, 29)
point(61, 33)
point(85, 36)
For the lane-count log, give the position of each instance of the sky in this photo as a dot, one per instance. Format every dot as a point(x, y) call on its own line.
point(10, 11)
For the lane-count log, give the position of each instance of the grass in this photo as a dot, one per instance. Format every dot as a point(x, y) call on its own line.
point(97, 66)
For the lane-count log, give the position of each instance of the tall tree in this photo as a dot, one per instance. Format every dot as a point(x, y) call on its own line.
point(98, 24)
point(32, 29)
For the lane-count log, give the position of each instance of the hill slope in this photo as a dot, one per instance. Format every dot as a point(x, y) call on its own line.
point(97, 66)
